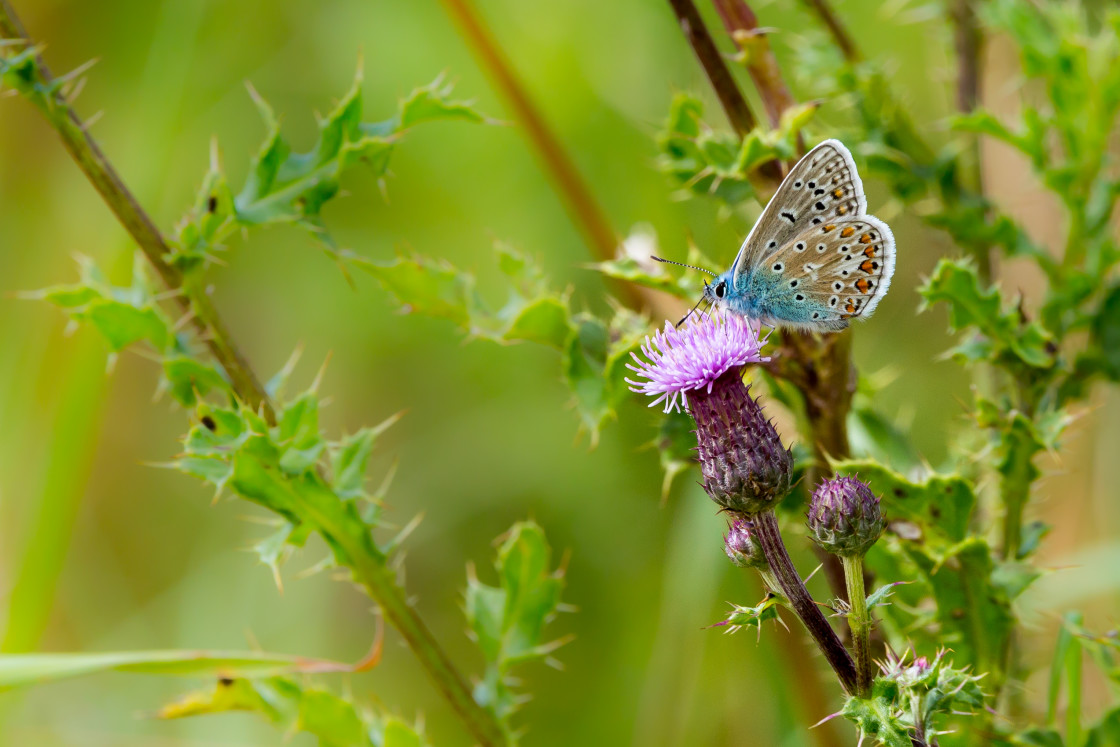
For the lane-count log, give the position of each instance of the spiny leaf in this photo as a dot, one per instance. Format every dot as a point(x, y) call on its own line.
point(285, 186)
point(752, 617)
point(292, 707)
point(594, 352)
point(708, 162)
point(278, 467)
point(508, 620)
point(974, 613)
point(124, 315)
point(970, 306)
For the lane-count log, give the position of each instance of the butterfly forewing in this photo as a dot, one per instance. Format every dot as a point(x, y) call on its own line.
point(837, 270)
point(823, 186)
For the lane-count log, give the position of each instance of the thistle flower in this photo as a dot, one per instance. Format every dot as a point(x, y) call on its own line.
point(844, 517)
point(744, 551)
point(700, 364)
point(693, 356)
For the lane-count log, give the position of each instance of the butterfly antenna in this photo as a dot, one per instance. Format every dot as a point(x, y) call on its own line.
point(682, 264)
point(686, 316)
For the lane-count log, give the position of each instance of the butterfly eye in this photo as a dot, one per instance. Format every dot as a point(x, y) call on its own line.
point(721, 289)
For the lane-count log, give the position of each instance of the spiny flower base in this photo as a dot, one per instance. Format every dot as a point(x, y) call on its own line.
point(745, 467)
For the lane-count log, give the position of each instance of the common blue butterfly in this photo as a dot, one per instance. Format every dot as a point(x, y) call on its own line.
point(815, 259)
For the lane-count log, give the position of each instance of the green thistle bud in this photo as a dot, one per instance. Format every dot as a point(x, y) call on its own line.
point(744, 551)
point(844, 517)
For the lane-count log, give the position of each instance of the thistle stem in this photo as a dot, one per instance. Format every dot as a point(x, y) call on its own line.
point(769, 536)
point(859, 620)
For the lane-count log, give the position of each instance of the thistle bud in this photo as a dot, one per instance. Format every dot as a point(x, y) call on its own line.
point(743, 551)
point(844, 517)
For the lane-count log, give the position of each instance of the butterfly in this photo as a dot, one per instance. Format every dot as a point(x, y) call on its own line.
point(815, 259)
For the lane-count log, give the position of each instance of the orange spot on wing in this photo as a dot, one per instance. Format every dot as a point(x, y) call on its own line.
point(829, 227)
point(869, 251)
point(842, 209)
point(847, 232)
point(865, 239)
point(863, 285)
point(837, 193)
point(851, 307)
point(867, 266)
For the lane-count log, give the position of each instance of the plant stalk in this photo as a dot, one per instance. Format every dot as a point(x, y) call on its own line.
point(585, 211)
point(765, 526)
point(859, 620)
point(836, 29)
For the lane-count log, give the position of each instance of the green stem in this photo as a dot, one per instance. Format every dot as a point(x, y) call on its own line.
point(859, 620)
point(765, 527)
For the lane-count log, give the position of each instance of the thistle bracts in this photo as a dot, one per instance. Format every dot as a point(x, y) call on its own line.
point(745, 467)
point(743, 551)
point(906, 700)
point(844, 517)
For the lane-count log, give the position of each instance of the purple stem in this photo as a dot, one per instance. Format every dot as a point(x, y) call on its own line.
point(765, 526)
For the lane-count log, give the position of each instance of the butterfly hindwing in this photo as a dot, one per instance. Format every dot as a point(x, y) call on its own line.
point(823, 186)
point(830, 273)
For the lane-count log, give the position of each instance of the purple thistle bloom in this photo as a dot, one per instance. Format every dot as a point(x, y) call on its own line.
point(693, 356)
point(745, 467)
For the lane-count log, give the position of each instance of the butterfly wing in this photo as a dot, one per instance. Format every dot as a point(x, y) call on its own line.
point(828, 274)
point(823, 186)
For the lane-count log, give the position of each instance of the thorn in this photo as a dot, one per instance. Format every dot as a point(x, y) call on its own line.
point(322, 372)
point(92, 120)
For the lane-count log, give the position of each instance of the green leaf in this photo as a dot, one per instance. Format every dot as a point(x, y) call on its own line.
point(285, 186)
point(123, 315)
point(752, 617)
point(970, 306)
point(508, 621)
point(278, 467)
point(1106, 732)
point(293, 707)
point(433, 102)
point(29, 669)
point(1036, 737)
point(709, 162)
point(878, 598)
point(432, 288)
point(676, 445)
point(188, 379)
point(973, 613)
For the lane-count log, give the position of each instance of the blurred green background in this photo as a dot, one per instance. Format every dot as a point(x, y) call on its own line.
point(101, 551)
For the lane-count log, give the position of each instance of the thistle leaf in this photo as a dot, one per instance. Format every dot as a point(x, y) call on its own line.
point(508, 620)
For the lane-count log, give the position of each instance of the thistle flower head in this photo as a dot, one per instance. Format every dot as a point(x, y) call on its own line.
point(844, 516)
point(694, 356)
point(745, 467)
point(744, 551)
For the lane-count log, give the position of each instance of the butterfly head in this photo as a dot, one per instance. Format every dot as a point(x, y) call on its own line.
point(717, 291)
